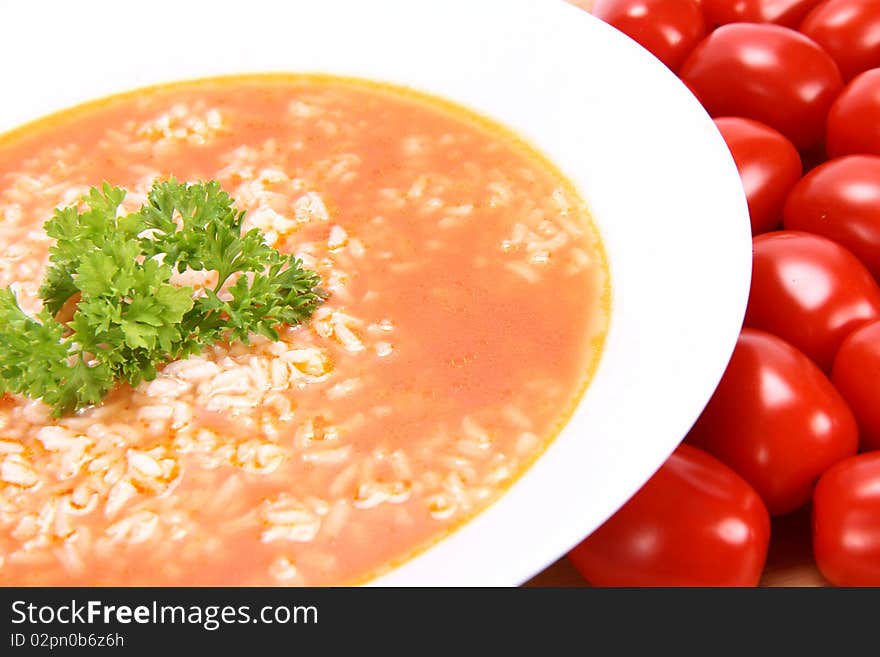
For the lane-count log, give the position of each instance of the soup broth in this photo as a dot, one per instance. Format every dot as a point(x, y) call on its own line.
point(468, 303)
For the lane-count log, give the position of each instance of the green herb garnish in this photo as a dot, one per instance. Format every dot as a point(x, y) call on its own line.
point(110, 275)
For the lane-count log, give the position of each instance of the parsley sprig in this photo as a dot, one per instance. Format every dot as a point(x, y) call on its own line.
point(110, 314)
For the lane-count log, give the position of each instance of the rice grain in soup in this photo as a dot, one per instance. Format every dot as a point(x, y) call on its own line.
point(469, 303)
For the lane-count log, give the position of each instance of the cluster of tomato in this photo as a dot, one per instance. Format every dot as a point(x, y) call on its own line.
point(794, 87)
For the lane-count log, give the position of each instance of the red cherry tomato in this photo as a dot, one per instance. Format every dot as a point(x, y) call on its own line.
point(841, 200)
point(846, 522)
point(856, 374)
point(809, 291)
point(668, 28)
point(854, 118)
point(695, 523)
point(768, 73)
point(776, 420)
point(849, 30)
point(783, 12)
point(768, 164)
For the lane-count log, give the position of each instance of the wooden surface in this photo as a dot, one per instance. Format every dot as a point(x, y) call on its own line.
point(789, 562)
point(583, 4)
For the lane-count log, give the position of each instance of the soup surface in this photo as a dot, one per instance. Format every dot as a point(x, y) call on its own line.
point(469, 303)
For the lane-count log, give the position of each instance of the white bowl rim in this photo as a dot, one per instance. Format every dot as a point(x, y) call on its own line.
point(646, 157)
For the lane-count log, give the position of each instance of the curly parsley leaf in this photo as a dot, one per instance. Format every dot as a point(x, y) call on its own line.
point(36, 361)
point(128, 318)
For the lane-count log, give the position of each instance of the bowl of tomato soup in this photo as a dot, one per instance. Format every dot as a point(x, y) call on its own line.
point(533, 252)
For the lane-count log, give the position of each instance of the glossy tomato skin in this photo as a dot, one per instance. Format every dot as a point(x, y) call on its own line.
point(809, 291)
point(668, 28)
point(695, 523)
point(846, 522)
point(769, 166)
point(776, 420)
point(767, 73)
point(856, 375)
point(782, 12)
point(840, 199)
point(849, 31)
point(854, 118)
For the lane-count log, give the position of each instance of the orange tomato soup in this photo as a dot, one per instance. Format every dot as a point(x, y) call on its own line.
point(469, 303)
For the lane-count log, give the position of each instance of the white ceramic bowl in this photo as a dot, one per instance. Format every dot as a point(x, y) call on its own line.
point(641, 150)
